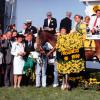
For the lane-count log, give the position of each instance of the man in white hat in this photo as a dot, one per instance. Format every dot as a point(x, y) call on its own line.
point(95, 20)
point(50, 23)
point(30, 28)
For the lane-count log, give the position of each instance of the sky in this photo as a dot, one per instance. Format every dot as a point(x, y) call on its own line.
point(36, 10)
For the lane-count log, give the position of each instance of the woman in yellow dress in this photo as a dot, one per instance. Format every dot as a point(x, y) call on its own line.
point(81, 27)
point(88, 44)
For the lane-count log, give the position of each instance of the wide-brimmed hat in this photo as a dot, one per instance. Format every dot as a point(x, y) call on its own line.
point(96, 8)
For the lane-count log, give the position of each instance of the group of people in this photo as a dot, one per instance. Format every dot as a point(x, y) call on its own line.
point(16, 47)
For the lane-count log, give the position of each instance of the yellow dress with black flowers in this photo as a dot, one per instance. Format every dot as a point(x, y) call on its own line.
point(69, 59)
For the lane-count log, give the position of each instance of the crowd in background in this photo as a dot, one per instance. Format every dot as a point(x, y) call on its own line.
point(16, 46)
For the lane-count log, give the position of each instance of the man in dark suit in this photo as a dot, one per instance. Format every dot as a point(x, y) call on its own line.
point(30, 28)
point(66, 22)
point(8, 59)
point(29, 43)
point(1, 67)
point(50, 23)
point(29, 47)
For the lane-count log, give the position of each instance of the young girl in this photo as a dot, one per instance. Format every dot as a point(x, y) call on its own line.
point(65, 84)
point(69, 59)
point(18, 52)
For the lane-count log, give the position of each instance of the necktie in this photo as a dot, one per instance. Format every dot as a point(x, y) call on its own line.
point(9, 43)
point(95, 22)
point(29, 44)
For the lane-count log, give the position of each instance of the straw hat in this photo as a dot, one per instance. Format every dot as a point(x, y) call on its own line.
point(95, 8)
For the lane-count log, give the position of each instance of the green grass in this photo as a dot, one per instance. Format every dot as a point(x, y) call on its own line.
point(49, 93)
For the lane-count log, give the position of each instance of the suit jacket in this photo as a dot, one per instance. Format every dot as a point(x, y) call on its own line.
point(32, 29)
point(6, 50)
point(66, 23)
point(1, 55)
point(53, 24)
point(0, 46)
point(29, 48)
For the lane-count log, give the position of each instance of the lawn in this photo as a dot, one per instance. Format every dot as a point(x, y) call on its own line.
point(49, 93)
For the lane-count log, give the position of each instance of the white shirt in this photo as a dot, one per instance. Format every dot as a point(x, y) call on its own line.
point(74, 28)
point(92, 21)
point(1, 57)
point(49, 21)
point(48, 46)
